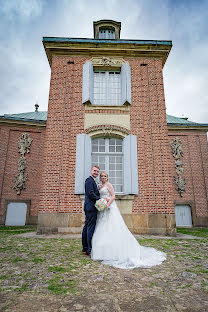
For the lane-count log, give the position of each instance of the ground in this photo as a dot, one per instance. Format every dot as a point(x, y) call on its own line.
point(49, 273)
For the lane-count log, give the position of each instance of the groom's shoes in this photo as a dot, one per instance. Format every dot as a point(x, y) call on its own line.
point(86, 253)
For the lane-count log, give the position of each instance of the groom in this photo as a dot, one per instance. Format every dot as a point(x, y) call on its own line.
point(91, 195)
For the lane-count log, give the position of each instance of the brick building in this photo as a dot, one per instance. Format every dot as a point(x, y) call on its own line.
point(107, 107)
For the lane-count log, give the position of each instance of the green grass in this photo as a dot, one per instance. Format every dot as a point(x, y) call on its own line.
point(12, 228)
point(17, 259)
point(4, 277)
point(199, 232)
point(38, 260)
point(59, 286)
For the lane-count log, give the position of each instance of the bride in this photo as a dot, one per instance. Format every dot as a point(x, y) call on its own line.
point(113, 243)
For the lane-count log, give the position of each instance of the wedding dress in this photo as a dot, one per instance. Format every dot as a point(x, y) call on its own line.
point(114, 245)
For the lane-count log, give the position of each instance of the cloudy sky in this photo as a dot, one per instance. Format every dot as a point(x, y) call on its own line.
point(25, 72)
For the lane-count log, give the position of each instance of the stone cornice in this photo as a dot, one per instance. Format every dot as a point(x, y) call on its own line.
point(187, 128)
point(25, 123)
point(118, 48)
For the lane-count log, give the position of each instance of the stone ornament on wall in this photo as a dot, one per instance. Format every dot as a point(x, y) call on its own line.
point(177, 151)
point(107, 61)
point(24, 144)
point(108, 130)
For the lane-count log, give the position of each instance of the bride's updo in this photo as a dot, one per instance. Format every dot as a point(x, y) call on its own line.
point(104, 172)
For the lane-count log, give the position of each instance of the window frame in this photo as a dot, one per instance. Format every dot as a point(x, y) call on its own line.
point(107, 154)
point(104, 32)
point(130, 163)
point(108, 87)
point(88, 78)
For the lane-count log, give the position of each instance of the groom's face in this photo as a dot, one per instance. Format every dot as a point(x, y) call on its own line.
point(94, 172)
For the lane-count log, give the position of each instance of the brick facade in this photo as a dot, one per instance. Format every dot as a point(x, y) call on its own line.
point(50, 189)
point(195, 165)
point(9, 168)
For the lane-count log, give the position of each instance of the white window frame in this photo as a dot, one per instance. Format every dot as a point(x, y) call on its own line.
point(88, 78)
point(107, 154)
point(112, 89)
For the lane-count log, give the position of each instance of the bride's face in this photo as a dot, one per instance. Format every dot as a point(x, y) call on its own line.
point(103, 178)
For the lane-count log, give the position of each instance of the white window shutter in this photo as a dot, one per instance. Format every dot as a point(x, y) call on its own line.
point(125, 84)
point(130, 165)
point(83, 161)
point(87, 83)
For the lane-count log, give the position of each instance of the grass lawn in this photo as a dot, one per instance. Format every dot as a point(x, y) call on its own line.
point(200, 232)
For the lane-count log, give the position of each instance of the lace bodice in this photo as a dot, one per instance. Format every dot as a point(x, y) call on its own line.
point(104, 192)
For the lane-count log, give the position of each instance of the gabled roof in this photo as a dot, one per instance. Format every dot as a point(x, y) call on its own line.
point(41, 117)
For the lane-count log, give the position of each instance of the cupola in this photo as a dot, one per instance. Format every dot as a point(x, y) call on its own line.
point(107, 29)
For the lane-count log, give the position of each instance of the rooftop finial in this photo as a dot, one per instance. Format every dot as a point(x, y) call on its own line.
point(36, 107)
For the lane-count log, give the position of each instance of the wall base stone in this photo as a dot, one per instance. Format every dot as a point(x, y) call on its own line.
point(137, 223)
point(201, 221)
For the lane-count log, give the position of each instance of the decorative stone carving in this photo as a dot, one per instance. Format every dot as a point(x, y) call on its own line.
point(20, 180)
point(24, 144)
point(22, 163)
point(108, 130)
point(107, 61)
point(177, 151)
point(180, 182)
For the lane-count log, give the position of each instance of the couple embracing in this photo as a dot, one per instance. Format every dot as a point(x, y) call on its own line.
point(105, 236)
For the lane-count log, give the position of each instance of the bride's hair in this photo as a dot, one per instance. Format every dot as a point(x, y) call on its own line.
point(104, 173)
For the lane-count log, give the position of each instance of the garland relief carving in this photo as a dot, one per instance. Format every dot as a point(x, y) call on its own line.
point(177, 151)
point(24, 144)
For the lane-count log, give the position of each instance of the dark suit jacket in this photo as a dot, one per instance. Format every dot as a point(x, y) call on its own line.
point(91, 194)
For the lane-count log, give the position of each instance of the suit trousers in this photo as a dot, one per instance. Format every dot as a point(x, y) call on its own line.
point(88, 230)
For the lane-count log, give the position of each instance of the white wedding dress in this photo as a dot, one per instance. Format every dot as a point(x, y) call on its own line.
point(114, 245)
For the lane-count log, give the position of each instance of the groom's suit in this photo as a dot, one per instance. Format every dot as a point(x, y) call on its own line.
point(91, 195)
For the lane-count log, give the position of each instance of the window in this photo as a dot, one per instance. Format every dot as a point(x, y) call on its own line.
point(118, 157)
point(101, 87)
point(106, 34)
point(107, 88)
point(108, 154)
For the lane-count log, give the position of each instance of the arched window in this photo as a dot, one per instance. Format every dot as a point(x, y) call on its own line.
point(108, 154)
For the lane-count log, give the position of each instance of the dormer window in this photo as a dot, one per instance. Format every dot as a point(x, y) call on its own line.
point(106, 33)
point(107, 29)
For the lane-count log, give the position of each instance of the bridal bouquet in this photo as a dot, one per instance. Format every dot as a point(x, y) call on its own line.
point(101, 204)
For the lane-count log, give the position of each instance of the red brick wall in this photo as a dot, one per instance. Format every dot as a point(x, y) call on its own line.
point(148, 123)
point(9, 166)
point(65, 121)
point(195, 164)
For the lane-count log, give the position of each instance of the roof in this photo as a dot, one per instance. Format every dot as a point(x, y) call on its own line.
point(90, 40)
point(41, 117)
point(36, 116)
point(63, 46)
point(172, 120)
